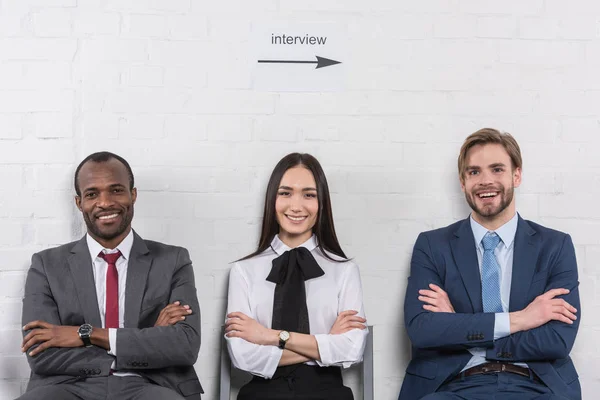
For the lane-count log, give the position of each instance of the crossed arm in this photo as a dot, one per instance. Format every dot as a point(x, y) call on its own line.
point(300, 347)
point(543, 330)
point(254, 348)
point(55, 349)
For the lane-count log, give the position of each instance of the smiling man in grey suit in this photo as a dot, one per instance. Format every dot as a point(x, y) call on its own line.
point(111, 315)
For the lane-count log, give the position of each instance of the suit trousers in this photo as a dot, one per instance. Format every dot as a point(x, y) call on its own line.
point(304, 383)
point(495, 386)
point(102, 388)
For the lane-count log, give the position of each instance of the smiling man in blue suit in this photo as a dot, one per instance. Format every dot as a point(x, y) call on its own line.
point(492, 304)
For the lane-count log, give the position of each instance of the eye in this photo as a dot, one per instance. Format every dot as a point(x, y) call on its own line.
point(118, 190)
point(473, 172)
point(283, 193)
point(90, 195)
point(498, 169)
point(311, 195)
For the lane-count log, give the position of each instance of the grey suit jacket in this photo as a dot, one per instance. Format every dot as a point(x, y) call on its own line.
point(60, 290)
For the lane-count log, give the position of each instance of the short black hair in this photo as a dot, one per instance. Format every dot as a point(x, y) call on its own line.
point(102, 156)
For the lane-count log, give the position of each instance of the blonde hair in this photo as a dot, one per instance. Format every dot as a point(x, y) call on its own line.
point(487, 136)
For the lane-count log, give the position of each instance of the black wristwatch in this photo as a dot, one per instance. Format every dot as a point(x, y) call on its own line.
point(284, 336)
point(85, 333)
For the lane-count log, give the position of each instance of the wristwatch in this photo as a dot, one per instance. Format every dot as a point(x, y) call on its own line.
point(85, 332)
point(284, 336)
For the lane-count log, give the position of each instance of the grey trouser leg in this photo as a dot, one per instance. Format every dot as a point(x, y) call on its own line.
point(136, 388)
point(50, 392)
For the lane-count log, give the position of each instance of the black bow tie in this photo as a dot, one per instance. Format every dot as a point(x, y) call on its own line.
point(301, 257)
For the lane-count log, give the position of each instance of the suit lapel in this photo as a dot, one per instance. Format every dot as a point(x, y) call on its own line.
point(80, 264)
point(138, 268)
point(465, 256)
point(526, 250)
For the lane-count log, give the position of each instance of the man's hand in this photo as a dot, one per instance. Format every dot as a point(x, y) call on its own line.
point(172, 314)
point(437, 299)
point(48, 335)
point(242, 326)
point(541, 310)
point(346, 321)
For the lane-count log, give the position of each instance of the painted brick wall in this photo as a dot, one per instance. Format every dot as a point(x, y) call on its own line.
point(167, 85)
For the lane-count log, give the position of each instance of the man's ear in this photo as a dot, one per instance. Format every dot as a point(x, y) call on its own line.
point(517, 177)
point(133, 195)
point(462, 183)
point(78, 202)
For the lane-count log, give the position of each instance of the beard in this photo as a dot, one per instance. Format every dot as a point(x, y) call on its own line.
point(111, 232)
point(491, 211)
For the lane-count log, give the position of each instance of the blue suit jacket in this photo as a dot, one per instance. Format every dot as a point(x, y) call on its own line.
point(543, 259)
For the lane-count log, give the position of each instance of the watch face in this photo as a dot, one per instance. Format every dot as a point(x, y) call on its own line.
point(85, 330)
point(284, 335)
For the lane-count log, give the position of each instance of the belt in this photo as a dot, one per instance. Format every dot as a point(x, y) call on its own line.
point(494, 367)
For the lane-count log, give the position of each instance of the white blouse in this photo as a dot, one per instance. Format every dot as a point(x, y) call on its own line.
point(326, 296)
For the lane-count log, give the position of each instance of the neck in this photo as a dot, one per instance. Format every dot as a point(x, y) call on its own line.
point(293, 241)
point(111, 243)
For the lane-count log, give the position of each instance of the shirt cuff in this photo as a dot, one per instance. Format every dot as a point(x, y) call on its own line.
point(272, 362)
point(112, 341)
point(501, 325)
point(326, 353)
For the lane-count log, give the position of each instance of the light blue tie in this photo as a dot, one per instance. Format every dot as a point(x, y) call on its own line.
point(490, 275)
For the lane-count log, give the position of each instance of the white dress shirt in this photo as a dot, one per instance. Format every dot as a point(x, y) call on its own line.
point(326, 296)
point(100, 267)
point(504, 253)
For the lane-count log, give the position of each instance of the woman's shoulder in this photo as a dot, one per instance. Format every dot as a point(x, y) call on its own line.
point(259, 259)
point(336, 261)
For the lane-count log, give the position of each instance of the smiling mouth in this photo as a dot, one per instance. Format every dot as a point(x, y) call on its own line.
point(108, 217)
point(296, 219)
point(487, 195)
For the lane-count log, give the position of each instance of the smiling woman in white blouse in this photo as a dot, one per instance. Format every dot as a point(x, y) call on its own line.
point(295, 313)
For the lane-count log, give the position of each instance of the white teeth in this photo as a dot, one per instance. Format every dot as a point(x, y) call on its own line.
point(487, 195)
point(296, 218)
point(108, 216)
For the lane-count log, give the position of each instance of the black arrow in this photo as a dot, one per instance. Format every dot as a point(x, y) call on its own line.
point(321, 62)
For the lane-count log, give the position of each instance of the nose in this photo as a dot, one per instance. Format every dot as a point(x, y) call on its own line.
point(486, 178)
point(295, 204)
point(105, 199)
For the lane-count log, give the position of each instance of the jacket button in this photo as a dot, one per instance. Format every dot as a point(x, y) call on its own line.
point(499, 355)
point(145, 364)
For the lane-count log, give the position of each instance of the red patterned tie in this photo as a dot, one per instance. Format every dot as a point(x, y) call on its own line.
point(112, 290)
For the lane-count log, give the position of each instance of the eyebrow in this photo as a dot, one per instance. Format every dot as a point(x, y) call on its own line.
point(495, 165)
point(306, 189)
point(92, 188)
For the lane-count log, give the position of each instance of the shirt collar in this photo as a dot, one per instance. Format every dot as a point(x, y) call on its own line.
point(506, 232)
point(124, 247)
point(279, 247)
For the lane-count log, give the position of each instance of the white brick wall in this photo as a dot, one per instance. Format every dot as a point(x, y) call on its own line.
point(166, 84)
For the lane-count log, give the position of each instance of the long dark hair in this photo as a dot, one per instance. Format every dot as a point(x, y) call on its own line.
point(323, 229)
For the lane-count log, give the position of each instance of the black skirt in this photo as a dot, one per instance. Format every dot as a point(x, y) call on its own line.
point(305, 382)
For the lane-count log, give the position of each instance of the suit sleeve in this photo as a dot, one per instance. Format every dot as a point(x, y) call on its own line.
point(254, 358)
point(347, 348)
point(39, 304)
point(436, 330)
point(553, 340)
point(165, 346)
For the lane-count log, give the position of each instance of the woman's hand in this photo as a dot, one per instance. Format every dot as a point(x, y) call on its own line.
point(240, 325)
point(346, 321)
